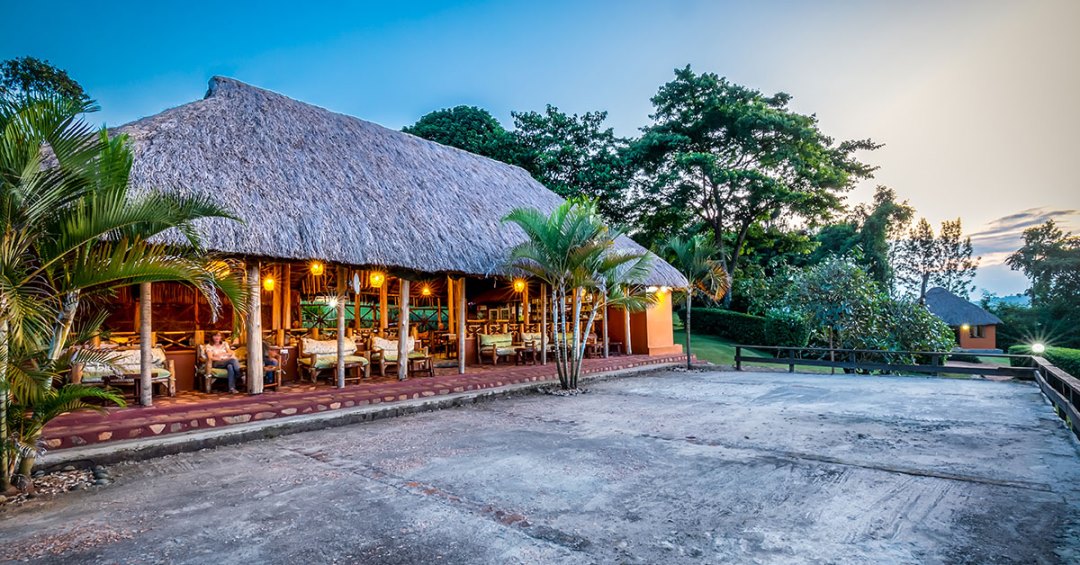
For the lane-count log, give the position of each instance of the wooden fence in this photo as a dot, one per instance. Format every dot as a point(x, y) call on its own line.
point(868, 360)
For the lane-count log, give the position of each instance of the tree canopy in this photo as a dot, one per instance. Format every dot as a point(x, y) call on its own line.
point(731, 157)
point(28, 76)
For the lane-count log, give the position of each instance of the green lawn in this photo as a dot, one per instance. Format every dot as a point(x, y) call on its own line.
point(711, 348)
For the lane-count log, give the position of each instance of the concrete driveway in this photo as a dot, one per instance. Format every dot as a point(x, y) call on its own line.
point(671, 467)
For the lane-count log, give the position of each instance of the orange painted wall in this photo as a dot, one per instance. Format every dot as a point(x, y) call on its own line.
point(651, 331)
point(987, 341)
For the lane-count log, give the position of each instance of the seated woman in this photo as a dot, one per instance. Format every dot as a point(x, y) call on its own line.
point(271, 359)
point(221, 356)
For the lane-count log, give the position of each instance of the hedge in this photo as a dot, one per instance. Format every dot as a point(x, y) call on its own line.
point(1063, 358)
point(746, 329)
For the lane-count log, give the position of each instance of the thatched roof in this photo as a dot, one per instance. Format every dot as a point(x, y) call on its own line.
point(956, 311)
point(314, 184)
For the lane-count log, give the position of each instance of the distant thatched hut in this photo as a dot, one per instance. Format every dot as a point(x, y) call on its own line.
point(314, 187)
point(975, 328)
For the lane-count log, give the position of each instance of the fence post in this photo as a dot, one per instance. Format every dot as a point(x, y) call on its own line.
point(738, 358)
point(851, 359)
point(935, 360)
point(791, 360)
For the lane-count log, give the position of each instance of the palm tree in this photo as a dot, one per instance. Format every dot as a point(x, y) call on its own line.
point(73, 228)
point(693, 258)
point(572, 251)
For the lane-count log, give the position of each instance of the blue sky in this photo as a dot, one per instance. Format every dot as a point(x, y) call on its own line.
point(972, 98)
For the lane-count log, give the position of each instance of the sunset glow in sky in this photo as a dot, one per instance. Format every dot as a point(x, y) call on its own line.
point(975, 101)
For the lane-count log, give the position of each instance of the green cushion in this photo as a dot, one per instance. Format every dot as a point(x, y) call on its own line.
point(498, 340)
point(505, 351)
point(327, 361)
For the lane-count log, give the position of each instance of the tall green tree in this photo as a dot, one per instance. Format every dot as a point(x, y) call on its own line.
point(467, 127)
point(922, 259)
point(575, 155)
point(732, 157)
point(28, 76)
point(693, 257)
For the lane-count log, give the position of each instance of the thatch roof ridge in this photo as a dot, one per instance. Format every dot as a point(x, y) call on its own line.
point(956, 311)
point(314, 184)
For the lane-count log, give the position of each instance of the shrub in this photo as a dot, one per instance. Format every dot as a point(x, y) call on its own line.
point(1063, 358)
point(778, 330)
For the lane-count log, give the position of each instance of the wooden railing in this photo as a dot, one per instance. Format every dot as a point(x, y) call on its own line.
point(1061, 389)
point(868, 360)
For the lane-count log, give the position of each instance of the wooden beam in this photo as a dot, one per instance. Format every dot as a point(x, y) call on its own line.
point(403, 330)
point(461, 307)
point(146, 345)
point(341, 295)
point(275, 302)
point(254, 330)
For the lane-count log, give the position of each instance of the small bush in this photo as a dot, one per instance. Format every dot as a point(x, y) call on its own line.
point(744, 329)
point(1063, 358)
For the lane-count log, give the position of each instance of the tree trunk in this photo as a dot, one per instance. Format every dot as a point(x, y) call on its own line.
point(607, 342)
point(70, 305)
point(5, 452)
point(579, 344)
point(688, 354)
point(403, 330)
point(626, 320)
point(922, 288)
point(543, 325)
point(461, 305)
point(254, 330)
point(341, 327)
point(146, 359)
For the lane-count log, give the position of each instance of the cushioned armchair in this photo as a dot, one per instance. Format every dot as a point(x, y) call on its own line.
point(384, 353)
point(123, 368)
point(317, 356)
point(493, 346)
point(206, 373)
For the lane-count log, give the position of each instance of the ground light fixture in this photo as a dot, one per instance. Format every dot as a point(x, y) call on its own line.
point(1038, 348)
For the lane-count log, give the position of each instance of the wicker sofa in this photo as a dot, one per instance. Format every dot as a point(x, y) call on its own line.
point(123, 368)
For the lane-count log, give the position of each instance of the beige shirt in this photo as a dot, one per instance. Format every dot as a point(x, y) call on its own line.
point(219, 352)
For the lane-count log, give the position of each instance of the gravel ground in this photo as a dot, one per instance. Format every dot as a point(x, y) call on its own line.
point(672, 467)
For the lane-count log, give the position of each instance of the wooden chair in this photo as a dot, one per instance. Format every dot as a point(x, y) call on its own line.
point(384, 353)
point(206, 373)
point(316, 356)
point(494, 346)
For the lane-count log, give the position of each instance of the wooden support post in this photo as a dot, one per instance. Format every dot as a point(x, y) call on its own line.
point(254, 330)
point(341, 326)
point(358, 321)
point(543, 324)
point(451, 304)
point(146, 345)
point(738, 358)
point(383, 308)
point(275, 303)
point(461, 304)
point(286, 288)
point(403, 330)
point(791, 360)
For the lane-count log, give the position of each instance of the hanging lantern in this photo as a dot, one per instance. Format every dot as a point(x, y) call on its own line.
point(519, 285)
point(425, 291)
point(268, 284)
point(317, 268)
point(376, 279)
